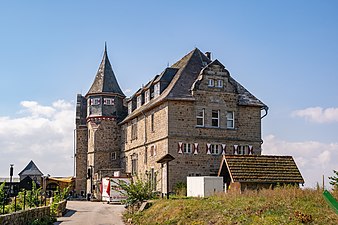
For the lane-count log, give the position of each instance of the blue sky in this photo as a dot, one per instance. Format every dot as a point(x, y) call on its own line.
point(284, 52)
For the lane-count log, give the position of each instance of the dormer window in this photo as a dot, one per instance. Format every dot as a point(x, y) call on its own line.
point(139, 101)
point(157, 90)
point(95, 101)
point(211, 83)
point(130, 107)
point(108, 101)
point(147, 96)
point(219, 83)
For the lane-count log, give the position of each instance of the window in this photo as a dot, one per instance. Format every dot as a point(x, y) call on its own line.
point(187, 148)
point(230, 120)
point(219, 83)
point(211, 83)
point(241, 150)
point(145, 160)
point(134, 164)
point(152, 123)
point(108, 101)
point(157, 89)
point(214, 149)
point(147, 96)
point(215, 118)
point(200, 118)
point(153, 150)
point(113, 156)
point(134, 129)
point(130, 107)
point(139, 101)
point(95, 101)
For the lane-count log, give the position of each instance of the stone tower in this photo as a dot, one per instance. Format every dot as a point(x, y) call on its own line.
point(101, 133)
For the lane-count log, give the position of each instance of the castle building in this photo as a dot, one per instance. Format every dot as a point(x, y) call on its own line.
point(194, 112)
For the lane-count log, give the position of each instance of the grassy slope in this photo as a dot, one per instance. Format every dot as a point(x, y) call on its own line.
point(280, 206)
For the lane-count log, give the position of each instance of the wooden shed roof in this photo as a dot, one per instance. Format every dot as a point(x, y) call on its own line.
point(261, 169)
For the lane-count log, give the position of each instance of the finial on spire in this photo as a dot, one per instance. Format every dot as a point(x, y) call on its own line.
point(105, 47)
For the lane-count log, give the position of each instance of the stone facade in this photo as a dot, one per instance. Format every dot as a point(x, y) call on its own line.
point(194, 111)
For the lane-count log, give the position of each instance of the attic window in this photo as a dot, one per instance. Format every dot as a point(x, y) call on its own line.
point(157, 89)
point(139, 101)
point(130, 107)
point(211, 83)
point(147, 96)
point(219, 83)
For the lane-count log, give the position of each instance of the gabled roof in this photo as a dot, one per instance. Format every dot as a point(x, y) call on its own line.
point(261, 169)
point(31, 170)
point(105, 80)
point(186, 71)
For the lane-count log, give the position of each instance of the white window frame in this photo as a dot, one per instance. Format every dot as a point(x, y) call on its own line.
point(108, 101)
point(113, 156)
point(130, 107)
point(95, 101)
point(139, 101)
point(211, 82)
point(215, 149)
point(157, 89)
point(241, 150)
point(214, 118)
point(200, 117)
point(219, 83)
point(147, 96)
point(230, 119)
point(187, 148)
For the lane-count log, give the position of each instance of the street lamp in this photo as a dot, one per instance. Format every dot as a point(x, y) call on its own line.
point(11, 169)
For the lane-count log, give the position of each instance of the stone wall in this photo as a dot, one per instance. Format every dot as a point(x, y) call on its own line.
point(24, 217)
point(81, 159)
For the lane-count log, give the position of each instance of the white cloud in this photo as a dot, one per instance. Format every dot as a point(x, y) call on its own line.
point(318, 114)
point(43, 134)
point(314, 159)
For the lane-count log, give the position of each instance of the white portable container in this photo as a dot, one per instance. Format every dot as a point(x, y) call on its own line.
point(204, 186)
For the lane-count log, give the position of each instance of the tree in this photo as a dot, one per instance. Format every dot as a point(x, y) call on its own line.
point(334, 180)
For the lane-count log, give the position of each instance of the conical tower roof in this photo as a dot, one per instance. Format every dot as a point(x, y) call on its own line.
point(105, 80)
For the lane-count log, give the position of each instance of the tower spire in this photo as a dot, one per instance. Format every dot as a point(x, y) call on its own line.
point(105, 80)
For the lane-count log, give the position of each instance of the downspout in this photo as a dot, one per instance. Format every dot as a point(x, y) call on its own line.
point(145, 129)
point(266, 108)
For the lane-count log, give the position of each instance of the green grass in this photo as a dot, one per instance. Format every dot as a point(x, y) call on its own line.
point(280, 206)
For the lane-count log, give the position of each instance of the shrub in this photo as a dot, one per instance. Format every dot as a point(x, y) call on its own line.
point(180, 189)
point(137, 191)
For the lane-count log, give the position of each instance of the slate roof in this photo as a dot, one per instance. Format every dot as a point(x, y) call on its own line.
point(187, 71)
point(31, 169)
point(105, 80)
point(262, 169)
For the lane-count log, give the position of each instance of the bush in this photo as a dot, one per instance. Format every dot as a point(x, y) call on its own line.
point(180, 189)
point(137, 191)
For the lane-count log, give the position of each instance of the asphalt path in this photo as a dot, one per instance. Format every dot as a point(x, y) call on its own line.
point(91, 213)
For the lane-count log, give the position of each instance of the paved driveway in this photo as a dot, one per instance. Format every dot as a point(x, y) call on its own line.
point(91, 213)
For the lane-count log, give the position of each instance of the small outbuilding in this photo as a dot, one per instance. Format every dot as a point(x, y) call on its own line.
point(204, 186)
point(253, 172)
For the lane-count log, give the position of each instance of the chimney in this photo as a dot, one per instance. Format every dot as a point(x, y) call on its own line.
point(208, 54)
